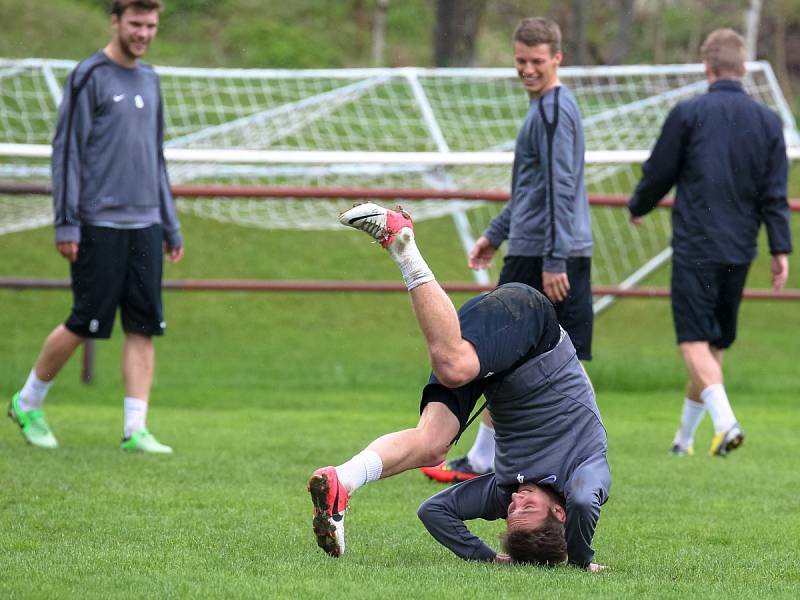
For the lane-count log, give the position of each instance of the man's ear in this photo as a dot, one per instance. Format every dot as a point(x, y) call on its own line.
point(559, 512)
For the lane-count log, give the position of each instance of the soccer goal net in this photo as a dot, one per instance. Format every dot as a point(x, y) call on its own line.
point(376, 129)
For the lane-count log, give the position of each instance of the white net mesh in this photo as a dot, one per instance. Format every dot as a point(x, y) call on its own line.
point(376, 110)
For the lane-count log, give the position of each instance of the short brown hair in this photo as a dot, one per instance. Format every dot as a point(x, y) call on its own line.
point(118, 7)
point(723, 52)
point(533, 31)
point(544, 546)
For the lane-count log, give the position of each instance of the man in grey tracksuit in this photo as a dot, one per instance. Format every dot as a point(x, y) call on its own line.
point(114, 217)
point(551, 476)
point(547, 220)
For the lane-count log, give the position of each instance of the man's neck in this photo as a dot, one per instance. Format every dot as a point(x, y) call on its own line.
point(115, 53)
point(555, 83)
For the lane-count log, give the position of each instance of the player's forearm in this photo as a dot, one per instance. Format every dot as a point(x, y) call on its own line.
point(451, 533)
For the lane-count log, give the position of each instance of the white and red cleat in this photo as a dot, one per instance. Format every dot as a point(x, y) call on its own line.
point(330, 499)
point(381, 223)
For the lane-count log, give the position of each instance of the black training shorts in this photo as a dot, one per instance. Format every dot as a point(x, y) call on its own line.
point(117, 268)
point(574, 313)
point(507, 327)
point(705, 302)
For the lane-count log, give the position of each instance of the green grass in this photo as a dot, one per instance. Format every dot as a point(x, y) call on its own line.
point(254, 391)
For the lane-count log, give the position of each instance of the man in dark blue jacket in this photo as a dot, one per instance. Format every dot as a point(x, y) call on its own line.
point(725, 153)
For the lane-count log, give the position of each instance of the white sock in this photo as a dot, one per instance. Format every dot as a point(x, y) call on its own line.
point(405, 253)
point(364, 467)
point(481, 455)
point(692, 415)
point(135, 416)
point(716, 401)
point(31, 397)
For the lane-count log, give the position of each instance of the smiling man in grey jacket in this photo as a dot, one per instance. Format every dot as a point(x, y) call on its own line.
point(546, 221)
point(114, 217)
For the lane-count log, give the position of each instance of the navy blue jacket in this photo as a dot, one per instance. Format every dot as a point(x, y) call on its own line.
point(726, 154)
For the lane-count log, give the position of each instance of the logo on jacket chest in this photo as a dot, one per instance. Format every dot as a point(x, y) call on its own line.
point(138, 100)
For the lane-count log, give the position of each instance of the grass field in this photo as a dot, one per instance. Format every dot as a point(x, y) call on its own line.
point(254, 391)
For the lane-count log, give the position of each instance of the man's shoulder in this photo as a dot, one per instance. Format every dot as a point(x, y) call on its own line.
point(146, 68)
point(90, 64)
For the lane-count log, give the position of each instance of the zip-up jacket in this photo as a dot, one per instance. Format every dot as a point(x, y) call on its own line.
point(108, 163)
point(726, 154)
point(548, 212)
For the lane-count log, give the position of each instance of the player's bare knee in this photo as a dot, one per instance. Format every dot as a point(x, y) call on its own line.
point(433, 456)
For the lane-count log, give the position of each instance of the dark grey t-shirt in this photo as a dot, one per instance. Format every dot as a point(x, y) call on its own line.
point(107, 162)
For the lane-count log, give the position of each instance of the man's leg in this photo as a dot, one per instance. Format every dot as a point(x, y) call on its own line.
point(453, 359)
point(692, 414)
point(704, 365)
point(26, 405)
point(391, 454)
point(478, 461)
point(138, 363)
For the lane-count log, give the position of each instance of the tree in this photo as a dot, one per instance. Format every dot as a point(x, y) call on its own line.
point(379, 32)
point(622, 45)
point(580, 8)
point(752, 21)
point(456, 31)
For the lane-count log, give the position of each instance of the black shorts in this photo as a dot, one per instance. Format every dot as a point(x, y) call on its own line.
point(117, 268)
point(705, 302)
point(507, 327)
point(575, 312)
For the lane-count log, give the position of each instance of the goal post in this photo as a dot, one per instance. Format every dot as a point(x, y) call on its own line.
point(450, 130)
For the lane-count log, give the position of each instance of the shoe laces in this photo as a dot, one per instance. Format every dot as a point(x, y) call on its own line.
point(375, 230)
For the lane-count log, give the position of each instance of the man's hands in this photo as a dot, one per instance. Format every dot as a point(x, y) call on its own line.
point(68, 250)
point(481, 255)
point(556, 286)
point(173, 254)
point(780, 271)
point(506, 559)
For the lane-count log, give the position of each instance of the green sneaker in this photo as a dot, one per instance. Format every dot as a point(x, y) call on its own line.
point(34, 426)
point(144, 441)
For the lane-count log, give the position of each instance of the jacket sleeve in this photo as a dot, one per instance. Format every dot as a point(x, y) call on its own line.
point(73, 127)
point(586, 492)
point(169, 214)
point(498, 229)
point(773, 205)
point(561, 192)
point(660, 171)
point(444, 514)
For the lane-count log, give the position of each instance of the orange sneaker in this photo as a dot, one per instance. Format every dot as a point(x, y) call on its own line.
point(453, 471)
point(330, 500)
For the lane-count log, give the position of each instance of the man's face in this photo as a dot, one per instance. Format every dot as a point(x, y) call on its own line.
point(536, 67)
point(134, 31)
point(530, 506)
